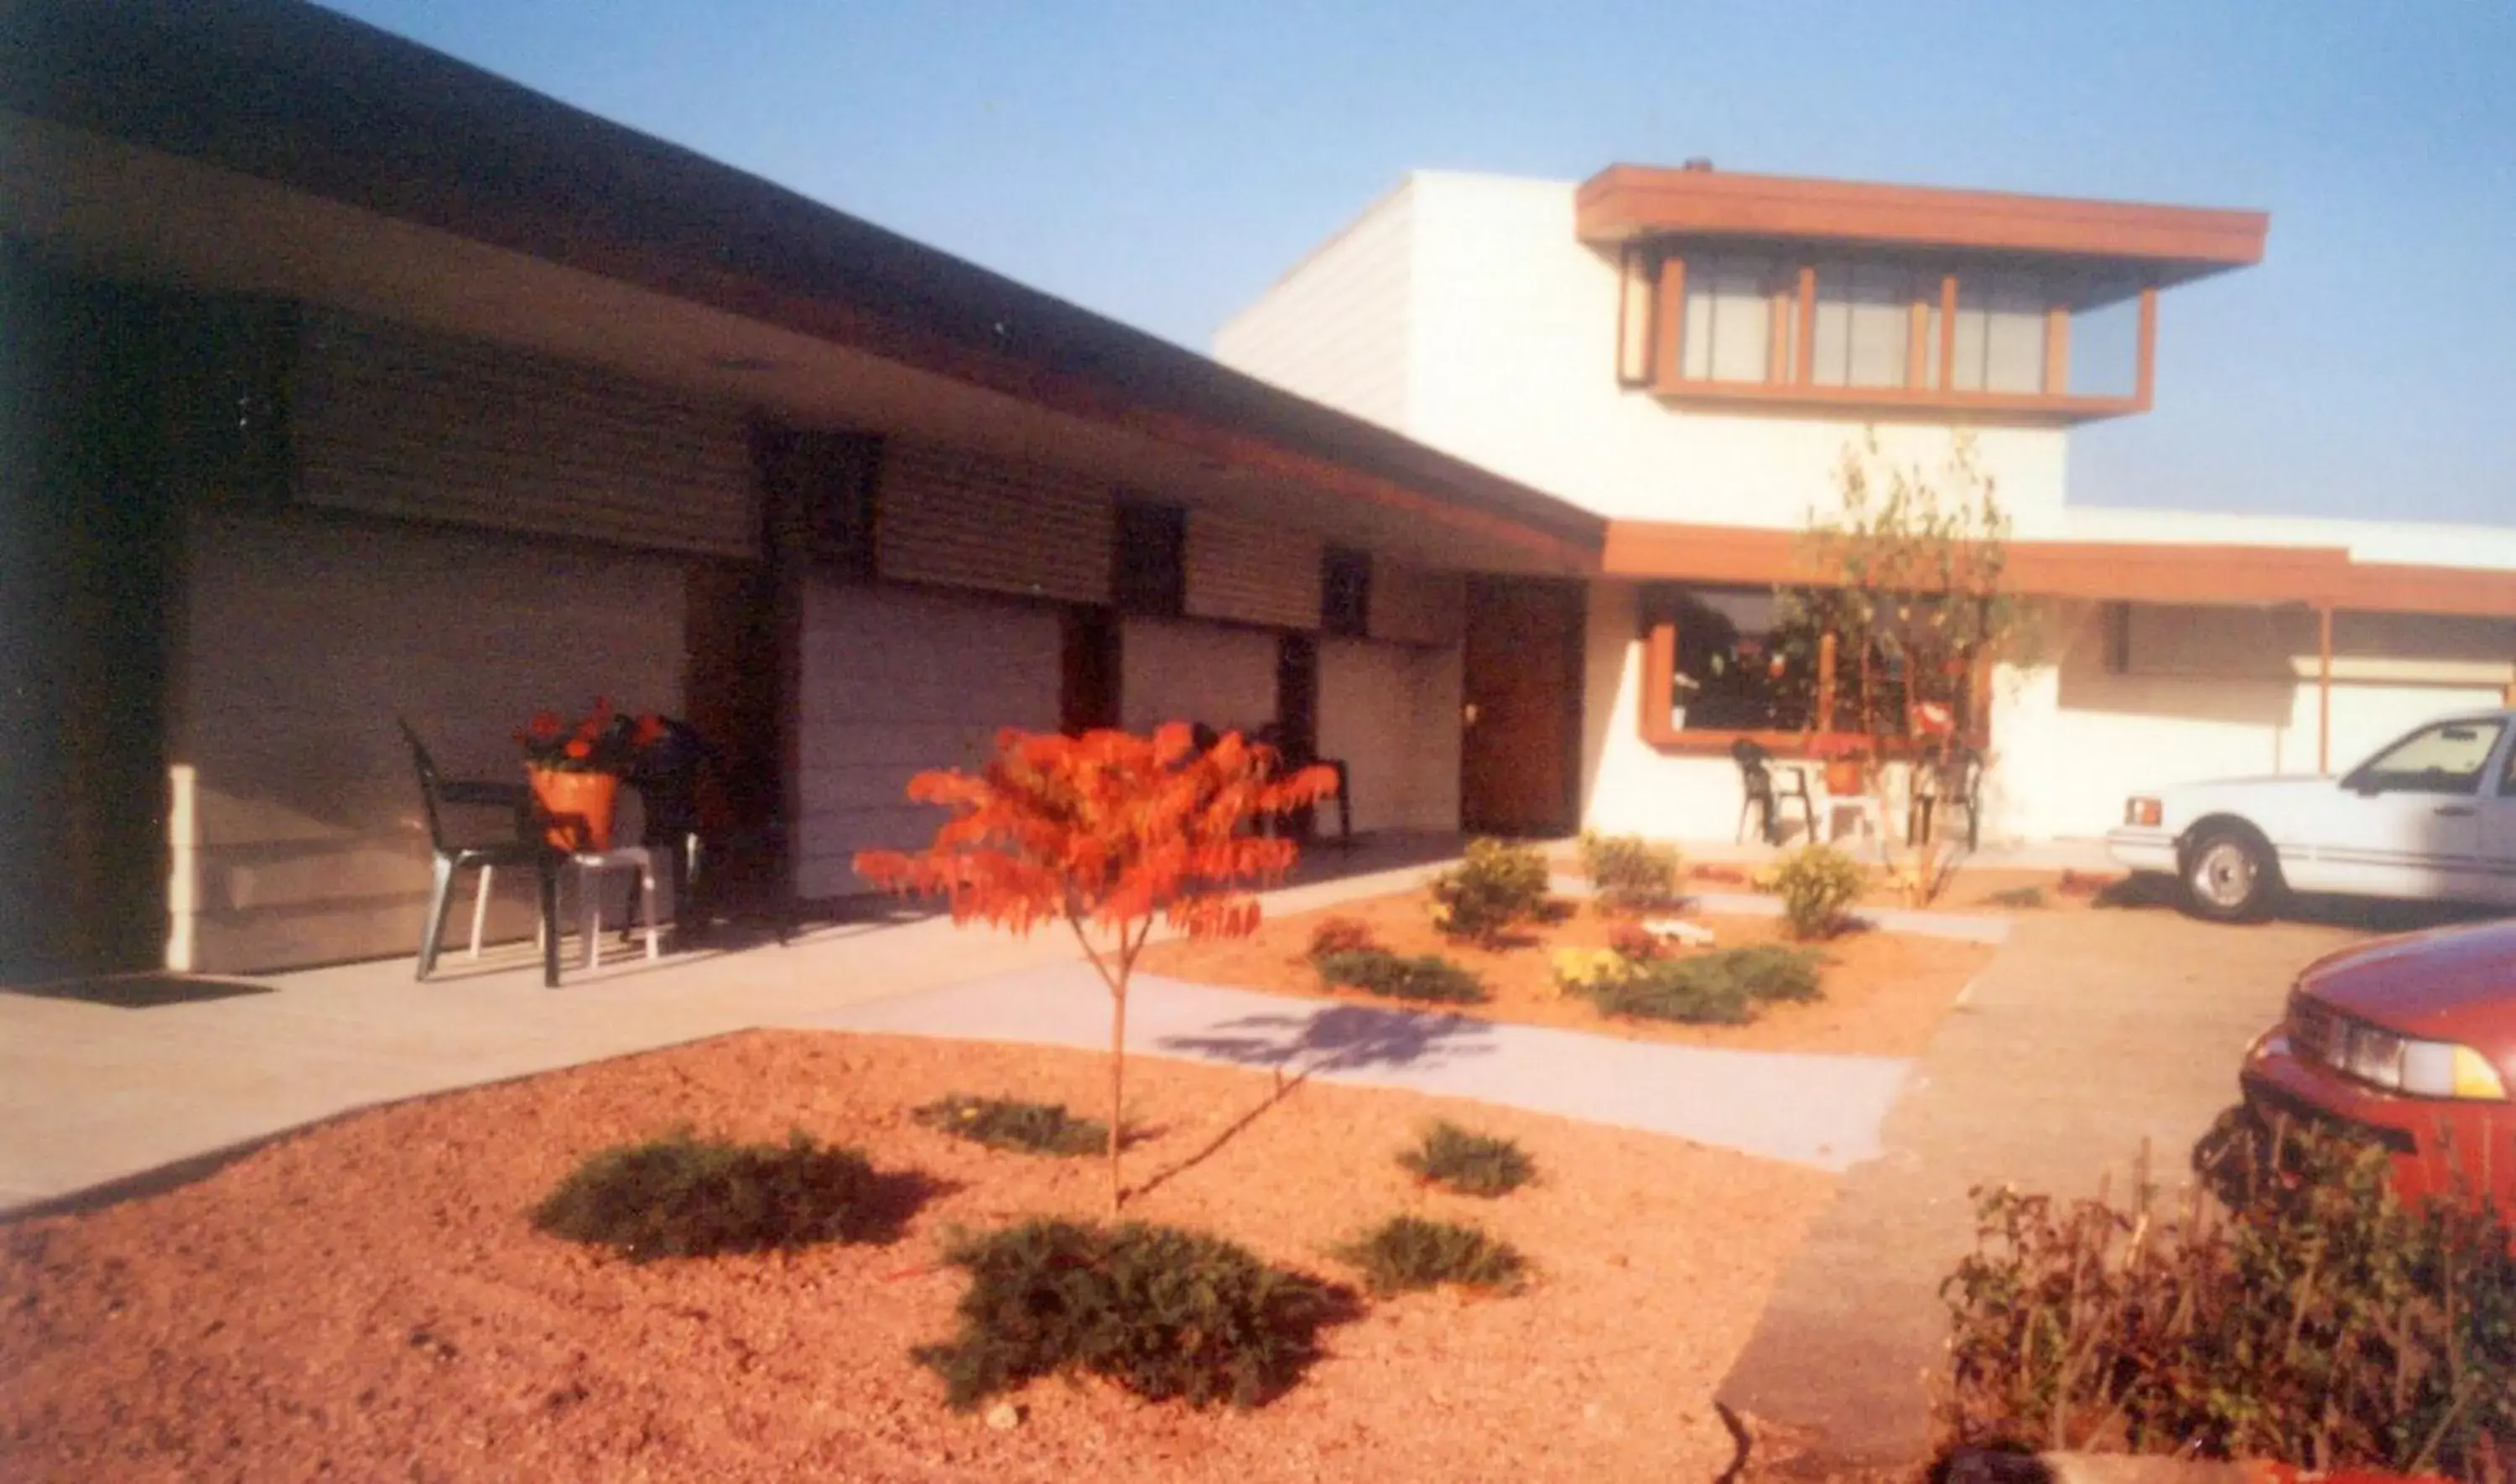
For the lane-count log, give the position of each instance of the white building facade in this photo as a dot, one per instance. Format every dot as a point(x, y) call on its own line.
point(1689, 355)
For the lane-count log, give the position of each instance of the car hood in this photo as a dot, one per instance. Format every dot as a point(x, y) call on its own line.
point(2288, 783)
point(2448, 984)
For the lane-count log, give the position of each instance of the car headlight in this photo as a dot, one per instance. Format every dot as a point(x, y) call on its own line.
point(2144, 813)
point(2395, 1062)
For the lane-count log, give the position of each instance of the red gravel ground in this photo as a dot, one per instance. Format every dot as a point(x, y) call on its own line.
point(367, 1301)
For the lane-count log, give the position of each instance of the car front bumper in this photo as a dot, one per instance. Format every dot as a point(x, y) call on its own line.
point(2143, 850)
point(2439, 1145)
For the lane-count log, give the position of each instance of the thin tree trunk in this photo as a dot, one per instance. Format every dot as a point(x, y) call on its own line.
point(1117, 1085)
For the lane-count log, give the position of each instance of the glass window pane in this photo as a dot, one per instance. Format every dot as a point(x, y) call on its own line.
point(1734, 673)
point(1971, 320)
point(1830, 347)
point(1694, 360)
point(1881, 314)
point(2014, 335)
point(2446, 758)
point(1742, 319)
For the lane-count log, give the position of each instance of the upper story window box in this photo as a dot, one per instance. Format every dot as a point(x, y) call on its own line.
point(1888, 301)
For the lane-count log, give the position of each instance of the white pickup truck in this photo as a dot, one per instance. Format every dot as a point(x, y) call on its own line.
point(2432, 815)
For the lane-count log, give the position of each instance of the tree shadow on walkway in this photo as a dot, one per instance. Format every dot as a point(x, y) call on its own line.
point(1336, 1038)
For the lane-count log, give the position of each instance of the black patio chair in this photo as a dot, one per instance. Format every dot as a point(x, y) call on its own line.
point(517, 844)
point(699, 863)
point(1761, 793)
point(1292, 760)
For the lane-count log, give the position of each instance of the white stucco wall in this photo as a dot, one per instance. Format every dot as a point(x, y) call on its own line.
point(1512, 365)
point(1392, 712)
point(2071, 737)
point(1628, 787)
point(1335, 327)
point(2074, 738)
point(1508, 325)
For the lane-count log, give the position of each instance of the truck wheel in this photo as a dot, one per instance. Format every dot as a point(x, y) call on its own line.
point(2230, 876)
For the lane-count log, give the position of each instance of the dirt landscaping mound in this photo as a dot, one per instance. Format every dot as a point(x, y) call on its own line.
point(368, 1300)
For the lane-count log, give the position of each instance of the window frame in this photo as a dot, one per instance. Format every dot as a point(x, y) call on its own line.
point(1661, 269)
point(1658, 691)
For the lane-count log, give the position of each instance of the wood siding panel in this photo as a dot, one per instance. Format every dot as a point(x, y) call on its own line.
point(395, 424)
point(1185, 672)
point(1411, 606)
point(962, 519)
point(1253, 571)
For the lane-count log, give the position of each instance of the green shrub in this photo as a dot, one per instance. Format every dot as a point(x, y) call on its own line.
point(1495, 886)
point(1427, 979)
point(1341, 934)
point(1724, 988)
point(1818, 884)
point(2316, 1320)
point(1471, 1164)
point(2016, 896)
point(1165, 1313)
point(1002, 1123)
point(1407, 1253)
point(686, 1197)
point(1628, 873)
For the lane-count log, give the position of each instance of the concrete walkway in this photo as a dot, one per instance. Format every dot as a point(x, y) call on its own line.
point(2092, 1033)
point(102, 1099)
point(1819, 1111)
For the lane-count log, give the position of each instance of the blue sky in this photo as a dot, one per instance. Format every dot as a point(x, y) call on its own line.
point(1162, 162)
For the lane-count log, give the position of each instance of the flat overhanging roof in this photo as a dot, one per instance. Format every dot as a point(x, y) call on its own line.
point(2223, 575)
point(2164, 244)
point(331, 110)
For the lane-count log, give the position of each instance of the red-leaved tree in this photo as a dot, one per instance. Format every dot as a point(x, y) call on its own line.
point(1110, 833)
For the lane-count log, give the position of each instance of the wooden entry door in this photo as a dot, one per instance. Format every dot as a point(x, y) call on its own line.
point(1520, 735)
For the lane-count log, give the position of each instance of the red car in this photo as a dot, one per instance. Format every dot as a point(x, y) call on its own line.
point(2411, 1040)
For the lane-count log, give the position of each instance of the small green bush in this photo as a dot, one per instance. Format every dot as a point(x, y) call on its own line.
point(686, 1197)
point(2017, 896)
point(1002, 1123)
point(1495, 886)
point(1407, 1252)
point(1628, 873)
point(2317, 1319)
point(1818, 884)
point(1471, 1164)
point(1341, 934)
point(1724, 988)
point(1426, 979)
point(1164, 1313)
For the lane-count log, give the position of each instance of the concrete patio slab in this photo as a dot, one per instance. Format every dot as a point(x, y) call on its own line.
point(1819, 1111)
point(95, 1095)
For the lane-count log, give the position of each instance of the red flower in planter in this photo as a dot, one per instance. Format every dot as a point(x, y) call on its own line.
point(601, 743)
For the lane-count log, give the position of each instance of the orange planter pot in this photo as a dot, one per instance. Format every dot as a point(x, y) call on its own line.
point(576, 808)
point(1843, 776)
